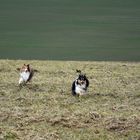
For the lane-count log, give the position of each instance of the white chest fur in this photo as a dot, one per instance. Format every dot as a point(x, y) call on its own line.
point(24, 76)
point(80, 89)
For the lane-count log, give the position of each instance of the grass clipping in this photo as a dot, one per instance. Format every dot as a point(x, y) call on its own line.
point(45, 108)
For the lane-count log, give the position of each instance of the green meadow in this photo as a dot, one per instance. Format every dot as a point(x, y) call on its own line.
point(70, 29)
point(45, 109)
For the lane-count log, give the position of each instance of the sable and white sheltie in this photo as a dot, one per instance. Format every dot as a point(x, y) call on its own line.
point(80, 84)
point(26, 74)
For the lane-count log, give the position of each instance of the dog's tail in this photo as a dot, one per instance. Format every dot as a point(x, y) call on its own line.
point(18, 69)
point(32, 74)
point(35, 70)
point(79, 71)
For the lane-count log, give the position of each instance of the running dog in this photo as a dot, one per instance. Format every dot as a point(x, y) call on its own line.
point(80, 84)
point(26, 74)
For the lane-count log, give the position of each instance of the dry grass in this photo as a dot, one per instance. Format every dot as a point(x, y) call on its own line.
point(45, 108)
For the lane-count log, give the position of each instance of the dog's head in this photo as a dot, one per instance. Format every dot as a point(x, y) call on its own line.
point(81, 79)
point(24, 68)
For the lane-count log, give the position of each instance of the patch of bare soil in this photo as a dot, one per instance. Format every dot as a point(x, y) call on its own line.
point(123, 124)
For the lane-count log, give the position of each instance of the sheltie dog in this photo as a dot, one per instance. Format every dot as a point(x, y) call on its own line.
point(80, 84)
point(26, 73)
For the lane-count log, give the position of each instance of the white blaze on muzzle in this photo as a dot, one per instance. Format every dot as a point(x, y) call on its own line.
point(80, 88)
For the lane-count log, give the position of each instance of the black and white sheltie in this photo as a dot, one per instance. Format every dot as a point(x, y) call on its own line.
point(26, 74)
point(80, 84)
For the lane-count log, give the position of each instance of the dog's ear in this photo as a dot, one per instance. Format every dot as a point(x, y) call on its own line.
point(18, 69)
point(85, 76)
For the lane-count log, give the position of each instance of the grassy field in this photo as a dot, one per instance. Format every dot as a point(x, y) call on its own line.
point(45, 108)
point(70, 29)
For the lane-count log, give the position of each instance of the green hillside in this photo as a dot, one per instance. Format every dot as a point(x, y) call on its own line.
point(70, 29)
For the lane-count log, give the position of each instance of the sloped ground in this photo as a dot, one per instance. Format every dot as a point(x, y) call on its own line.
point(45, 108)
